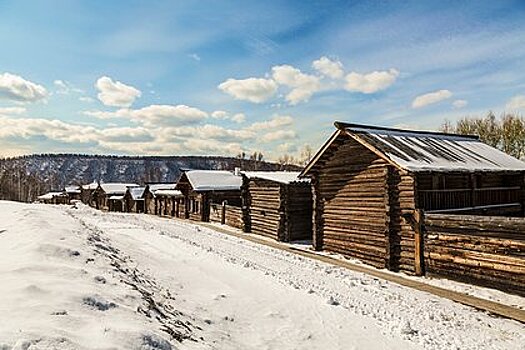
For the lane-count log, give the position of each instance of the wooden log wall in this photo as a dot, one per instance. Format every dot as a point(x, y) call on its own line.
point(266, 208)
point(227, 214)
point(298, 211)
point(216, 212)
point(488, 251)
point(401, 206)
point(233, 217)
point(351, 203)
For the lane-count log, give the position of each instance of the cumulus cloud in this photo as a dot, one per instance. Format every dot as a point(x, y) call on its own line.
point(371, 82)
point(431, 98)
point(158, 115)
point(276, 121)
point(459, 104)
point(16, 88)
point(328, 67)
point(303, 85)
point(116, 94)
point(155, 115)
point(255, 90)
point(222, 115)
point(278, 135)
point(516, 103)
point(12, 110)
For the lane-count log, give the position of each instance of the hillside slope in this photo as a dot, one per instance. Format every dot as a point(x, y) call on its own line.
point(24, 178)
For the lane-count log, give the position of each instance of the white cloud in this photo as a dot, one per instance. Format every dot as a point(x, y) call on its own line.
point(303, 85)
point(159, 115)
point(116, 94)
point(278, 135)
point(16, 88)
point(61, 85)
point(459, 104)
point(328, 67)
point(12, 110)
point(86, 99)
point(195, 57)
point(516, 103)
point(255, 90)
point(276, 121)
point(155, 115)
point(431, 98)
point(238, 118)
point(286, 148)
point(222, 115)
point(371, 82)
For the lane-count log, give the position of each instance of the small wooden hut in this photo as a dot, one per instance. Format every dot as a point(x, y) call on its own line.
point(151, 203)
point(201, 188)
point(169, 203)
point(87, 194)
point(369, 181)
point(56, 197)
point(73, 192)
point(110, 196)
point(277, 204)
point(134, 200)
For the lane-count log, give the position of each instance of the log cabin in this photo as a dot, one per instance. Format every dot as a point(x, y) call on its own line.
point(169, 203)
point(73, 192)
point(201, 188)
point(56, 197)
point(151, 204)
point(87, 194)
point(369, 181)
point(134, 200)
point(110, 196)
point(277, 204)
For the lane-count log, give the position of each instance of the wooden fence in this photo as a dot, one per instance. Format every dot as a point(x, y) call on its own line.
point(483, 250)
point(226, 215)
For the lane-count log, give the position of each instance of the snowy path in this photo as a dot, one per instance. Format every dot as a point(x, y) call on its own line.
point(165, 276)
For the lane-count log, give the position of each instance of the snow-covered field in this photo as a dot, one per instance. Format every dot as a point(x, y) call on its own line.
point(83, 279)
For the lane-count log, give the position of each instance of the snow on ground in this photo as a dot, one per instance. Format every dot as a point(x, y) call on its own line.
point(490, 294)
point(81, 278)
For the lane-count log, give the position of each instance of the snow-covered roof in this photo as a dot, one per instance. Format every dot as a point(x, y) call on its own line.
point(284, 177)
point(116, 198)
point(72, 189)
point(91, 186)
point(213, 180)
point(51, 195)
point(137, 193)
point(168, 193)
point(425, 151)
point(116, 188)
point(156, 187)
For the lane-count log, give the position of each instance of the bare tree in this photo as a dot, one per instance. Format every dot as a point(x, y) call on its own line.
point(506, 133)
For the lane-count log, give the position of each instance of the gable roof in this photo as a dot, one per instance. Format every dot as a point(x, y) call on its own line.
point(136, 193)
point(51, 195)
point(284, 177)
point(73, 189)
point(213, 180)
point(116, 188)
point(169, 193)
point(91, 186)
point(424, 150)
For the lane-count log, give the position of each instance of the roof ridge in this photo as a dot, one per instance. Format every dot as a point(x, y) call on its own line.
point(345, 125)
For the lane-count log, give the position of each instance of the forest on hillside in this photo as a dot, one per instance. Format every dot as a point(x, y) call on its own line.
point(24, 178)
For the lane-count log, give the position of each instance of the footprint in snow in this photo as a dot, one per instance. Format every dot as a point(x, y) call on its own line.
point(98, 303)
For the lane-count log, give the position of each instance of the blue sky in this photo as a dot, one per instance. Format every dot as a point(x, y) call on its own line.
point(217, 77)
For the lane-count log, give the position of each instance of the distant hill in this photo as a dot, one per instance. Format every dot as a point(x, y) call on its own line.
point(24, 178)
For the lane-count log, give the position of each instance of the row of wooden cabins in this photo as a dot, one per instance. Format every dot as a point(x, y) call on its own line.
point(396, 199)
point(273, 204)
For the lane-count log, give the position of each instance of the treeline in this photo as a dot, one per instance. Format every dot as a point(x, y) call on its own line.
point(26, 177)
point(506, 133)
